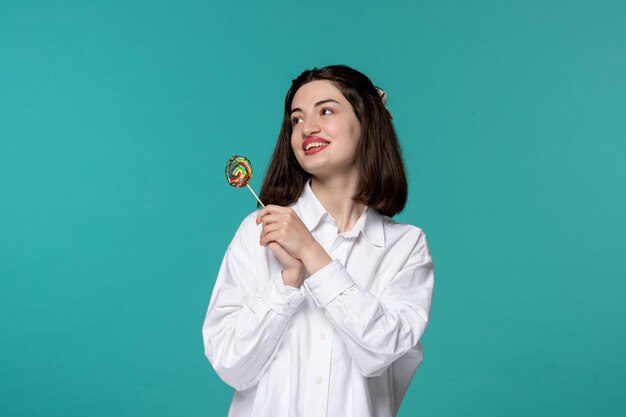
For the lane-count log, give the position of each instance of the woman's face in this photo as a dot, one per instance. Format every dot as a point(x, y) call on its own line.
point(326, 131)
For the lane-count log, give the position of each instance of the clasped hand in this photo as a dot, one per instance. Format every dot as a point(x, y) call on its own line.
point(288, 238)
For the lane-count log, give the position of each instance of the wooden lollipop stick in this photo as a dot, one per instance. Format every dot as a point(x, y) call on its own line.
point(255, 196)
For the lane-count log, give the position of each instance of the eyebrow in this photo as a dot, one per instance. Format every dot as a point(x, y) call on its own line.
point(319, 103)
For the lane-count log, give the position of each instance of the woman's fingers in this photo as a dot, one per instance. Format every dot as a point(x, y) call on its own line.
point(282, 225)
point(270, 237)
point(272, 218)
point(269, 209)
point(269, 229)
point(293, 269)
point(283, 256)
point(277, 235)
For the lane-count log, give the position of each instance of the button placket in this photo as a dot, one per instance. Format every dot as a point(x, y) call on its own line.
point(320, 365)
point(322, 340)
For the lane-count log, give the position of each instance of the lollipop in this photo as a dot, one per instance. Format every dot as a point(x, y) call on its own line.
point(238, 173)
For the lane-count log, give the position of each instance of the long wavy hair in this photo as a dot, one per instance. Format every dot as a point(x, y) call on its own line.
point(383, 183)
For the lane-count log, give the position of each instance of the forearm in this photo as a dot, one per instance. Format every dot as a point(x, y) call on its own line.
point(375, 329)
point(241, 332)
point(240, 344)
point(248, 312)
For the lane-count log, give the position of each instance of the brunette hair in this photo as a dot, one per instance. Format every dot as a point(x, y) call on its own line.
point(383, 184)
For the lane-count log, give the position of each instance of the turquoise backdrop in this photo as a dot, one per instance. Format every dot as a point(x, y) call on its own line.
point(116, 121)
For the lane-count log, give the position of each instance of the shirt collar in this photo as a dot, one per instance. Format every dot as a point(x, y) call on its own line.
point(370, 224)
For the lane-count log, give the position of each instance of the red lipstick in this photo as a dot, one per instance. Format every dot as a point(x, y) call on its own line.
point(318, 143)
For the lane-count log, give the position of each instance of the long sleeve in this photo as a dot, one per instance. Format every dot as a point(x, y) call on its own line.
point(378, 329)
point(247, 314)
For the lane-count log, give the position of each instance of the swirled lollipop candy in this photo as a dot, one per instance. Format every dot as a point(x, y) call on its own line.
point(238, 173)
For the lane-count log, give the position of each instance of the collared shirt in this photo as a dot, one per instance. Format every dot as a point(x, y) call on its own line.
point(346, 343)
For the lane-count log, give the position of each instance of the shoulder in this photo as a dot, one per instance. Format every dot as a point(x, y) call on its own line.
point(247, 230)
point(406, 235)
point(249, 222)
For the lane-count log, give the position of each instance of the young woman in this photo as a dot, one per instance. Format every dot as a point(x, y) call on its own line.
point(322, 298)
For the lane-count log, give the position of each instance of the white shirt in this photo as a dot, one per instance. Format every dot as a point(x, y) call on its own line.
point(346, 343)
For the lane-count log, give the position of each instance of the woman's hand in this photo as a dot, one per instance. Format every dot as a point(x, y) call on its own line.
point(283, 226)
point(293, 269)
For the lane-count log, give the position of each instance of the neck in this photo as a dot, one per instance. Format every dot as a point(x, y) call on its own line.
point(336, 194)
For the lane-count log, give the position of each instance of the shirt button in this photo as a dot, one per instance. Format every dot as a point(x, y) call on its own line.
point(318, 380)
point(323, 337)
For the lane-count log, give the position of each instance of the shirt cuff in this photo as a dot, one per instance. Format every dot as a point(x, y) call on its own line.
point(282, 298)
point(327, 283)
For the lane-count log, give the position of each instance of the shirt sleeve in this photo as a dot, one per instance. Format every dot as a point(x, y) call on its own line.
point(247, 314)
point(377, 330)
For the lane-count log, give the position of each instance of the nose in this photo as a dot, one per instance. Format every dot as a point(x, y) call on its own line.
point(309, 127)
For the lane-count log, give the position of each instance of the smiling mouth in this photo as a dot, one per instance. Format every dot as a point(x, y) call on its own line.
point(314, 144)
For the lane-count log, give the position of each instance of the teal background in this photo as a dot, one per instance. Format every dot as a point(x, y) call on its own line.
point(117, 118)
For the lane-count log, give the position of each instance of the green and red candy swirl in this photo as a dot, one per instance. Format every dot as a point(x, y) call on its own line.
point(238, 172)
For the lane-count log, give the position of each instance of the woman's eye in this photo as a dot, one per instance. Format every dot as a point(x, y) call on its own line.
point(296, 120)
point(327, 111)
